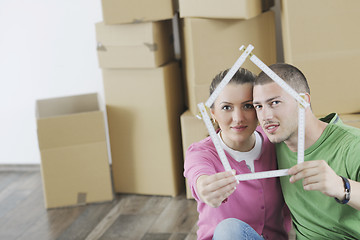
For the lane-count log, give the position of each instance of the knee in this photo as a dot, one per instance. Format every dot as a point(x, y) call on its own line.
point(230, 228)
point(230, 223)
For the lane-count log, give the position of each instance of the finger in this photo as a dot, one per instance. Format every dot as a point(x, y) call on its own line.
point(219, 180)
point(223, 198)
point(315, 179)
point(223, 190)
point(305, 173)
point(314, 185)
point(304, 165)
point(217, 188)
point(215, 199)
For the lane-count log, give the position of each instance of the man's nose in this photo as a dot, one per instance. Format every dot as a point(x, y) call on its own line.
point(267, 113)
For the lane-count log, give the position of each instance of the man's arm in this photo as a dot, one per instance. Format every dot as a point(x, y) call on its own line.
point(317, 175)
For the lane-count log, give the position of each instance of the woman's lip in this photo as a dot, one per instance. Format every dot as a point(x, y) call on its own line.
point(239, 128)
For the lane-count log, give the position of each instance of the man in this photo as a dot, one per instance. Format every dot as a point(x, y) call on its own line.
point(317, 193)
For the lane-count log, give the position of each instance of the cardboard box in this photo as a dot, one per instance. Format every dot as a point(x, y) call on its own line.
point(74, 158)
point(211, 46)
point(228, 9)
point(197, 93)
point(144, 108)
point(135, 11)
point(141, 45)
point(351, 119)
point(322, 38)
point(192, 130)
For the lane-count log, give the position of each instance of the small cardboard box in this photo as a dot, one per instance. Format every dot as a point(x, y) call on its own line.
point(74, 158)
point(140, 45)
point(135, 11)
point(322, 38)
point(144, 108)
point(228, 9)
point(192, 130)
point(211, 46)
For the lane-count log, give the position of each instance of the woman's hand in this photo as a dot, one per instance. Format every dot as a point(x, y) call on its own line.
point(213, 189)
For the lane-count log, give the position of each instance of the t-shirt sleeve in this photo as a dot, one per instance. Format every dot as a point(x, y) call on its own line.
point(198, 162)
point(353, 161)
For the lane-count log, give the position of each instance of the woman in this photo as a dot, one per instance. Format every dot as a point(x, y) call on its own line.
point(227, 210)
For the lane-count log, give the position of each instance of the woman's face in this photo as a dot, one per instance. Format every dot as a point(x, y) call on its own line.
point(236, 116)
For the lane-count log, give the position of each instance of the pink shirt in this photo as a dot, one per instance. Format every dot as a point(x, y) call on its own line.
point(257, 202)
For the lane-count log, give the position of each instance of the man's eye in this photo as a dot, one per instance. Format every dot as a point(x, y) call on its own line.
point(275, 102)
point(257, 106)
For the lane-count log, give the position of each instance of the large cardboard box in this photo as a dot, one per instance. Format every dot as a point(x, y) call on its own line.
point(322, 38)
point(226, 9)
point(351, 119)
point(144, 108)
point(140, 45)
point(192, 130)
point(74, 158)
point(134, 11)
point(211, 46)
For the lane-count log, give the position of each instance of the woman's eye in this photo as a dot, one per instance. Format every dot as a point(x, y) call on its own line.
point(248, 106)
point(226, 108)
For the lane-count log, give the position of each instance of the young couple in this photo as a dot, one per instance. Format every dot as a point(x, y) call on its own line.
point(322, 194)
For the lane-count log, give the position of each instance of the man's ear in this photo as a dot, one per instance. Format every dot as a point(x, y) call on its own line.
point(306, 97)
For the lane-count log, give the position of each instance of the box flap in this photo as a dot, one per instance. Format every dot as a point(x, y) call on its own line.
point(226, 9)
point(59, 106)
point(125, 34)
point(75, 129)
point(135, 11)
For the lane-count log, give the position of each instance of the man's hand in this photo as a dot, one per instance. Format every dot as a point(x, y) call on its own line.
point(216, 188)
point(318, 175)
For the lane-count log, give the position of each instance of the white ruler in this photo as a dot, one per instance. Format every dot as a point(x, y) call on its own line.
point(299, 97)
point(265, 174)
point(214, 137)
point(229, 75)
point(278, 80)
point(301, 132)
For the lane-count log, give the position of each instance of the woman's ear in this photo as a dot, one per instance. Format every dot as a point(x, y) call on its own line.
point(212, 113)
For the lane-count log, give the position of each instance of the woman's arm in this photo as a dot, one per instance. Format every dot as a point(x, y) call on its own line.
point(214, 189)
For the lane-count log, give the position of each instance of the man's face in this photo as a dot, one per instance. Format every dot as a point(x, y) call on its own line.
point(277, 112)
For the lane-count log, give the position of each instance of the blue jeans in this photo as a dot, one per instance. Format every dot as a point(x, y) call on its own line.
point(232, 228)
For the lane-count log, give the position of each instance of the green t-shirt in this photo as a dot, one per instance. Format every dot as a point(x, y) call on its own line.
point(315, 215)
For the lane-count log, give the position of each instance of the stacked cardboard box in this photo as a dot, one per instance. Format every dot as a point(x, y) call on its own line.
point(322, 38)
point(211, 34)
point(143, 94)
point(192, 130)
point(74, 158)
point(351, 119)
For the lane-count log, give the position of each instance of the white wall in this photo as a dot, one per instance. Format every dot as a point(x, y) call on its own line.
point(47, 49)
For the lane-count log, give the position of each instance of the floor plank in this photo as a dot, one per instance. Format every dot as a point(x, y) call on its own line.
point(23, 215)
point(178, 217)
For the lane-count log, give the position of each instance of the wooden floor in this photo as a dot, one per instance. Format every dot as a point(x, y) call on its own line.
point(23, 214)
